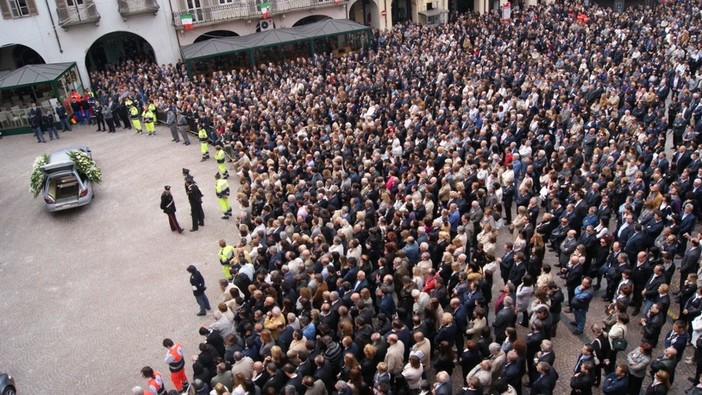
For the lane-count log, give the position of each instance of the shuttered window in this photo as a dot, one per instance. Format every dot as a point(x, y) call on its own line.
point(18, 8)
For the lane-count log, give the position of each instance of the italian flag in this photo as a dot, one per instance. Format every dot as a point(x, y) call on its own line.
point(187, 21)
point(265, 7)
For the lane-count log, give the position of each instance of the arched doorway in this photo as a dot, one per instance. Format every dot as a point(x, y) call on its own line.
point(401, 11)
point(365, 12)
point(115, 47)
point(214, 34)
point(14, 56)
point(311, 19)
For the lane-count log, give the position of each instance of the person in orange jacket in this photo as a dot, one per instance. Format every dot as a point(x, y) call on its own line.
point(176, 364)
point(155, 384)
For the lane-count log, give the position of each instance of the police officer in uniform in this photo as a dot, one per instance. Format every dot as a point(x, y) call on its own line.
point(222, 191)
point(35, 118)
point(63, 117)
point(195, 200)
point(204, 149)
point(168, 207)
point(221, 162)
point(47, 122)
point(99, 117)
point(123, 113)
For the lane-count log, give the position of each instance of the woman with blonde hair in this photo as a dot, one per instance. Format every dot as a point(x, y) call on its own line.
point(277, 356)
point(484, 235)
point(520, 220)
point(267, 343)
point(350, 362)
point(369, 362)
point(345, 329)
point(476, 324)
point(305, 293)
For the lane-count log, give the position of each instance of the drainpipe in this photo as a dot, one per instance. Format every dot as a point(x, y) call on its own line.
point(180, 47)
point(54, 26)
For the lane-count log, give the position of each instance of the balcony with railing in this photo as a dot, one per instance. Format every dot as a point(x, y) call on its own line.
point(248, 9)
point(77, 14)
point(137, 7)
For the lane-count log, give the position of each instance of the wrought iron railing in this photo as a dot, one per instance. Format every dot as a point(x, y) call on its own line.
point(136, 7)
point(78, 14)
point(243, 9)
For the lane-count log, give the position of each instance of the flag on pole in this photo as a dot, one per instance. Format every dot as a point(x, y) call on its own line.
point(187, 21)
point(265, 9)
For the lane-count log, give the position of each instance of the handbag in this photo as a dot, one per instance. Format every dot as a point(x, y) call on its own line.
point(619, 344)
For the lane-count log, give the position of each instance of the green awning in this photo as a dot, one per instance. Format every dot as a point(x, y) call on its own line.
point(228, 45)
point(33, 74)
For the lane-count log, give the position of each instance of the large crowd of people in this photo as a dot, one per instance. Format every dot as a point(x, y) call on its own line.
point(374, 187)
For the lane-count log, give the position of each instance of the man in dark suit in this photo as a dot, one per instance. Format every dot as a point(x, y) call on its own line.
point(580, 206)
point(640, 274)
point(518, 270)
point(324, 372)
point(443, 384)
point(545, 355)
point(546, 381)
point(506, 262)
point(361, 282)
point(460, 318)
point(573, 276)
point(617, 382)
point(533, 340)
point(687, 225)
point(677, 338)
point(612, 270)
point(276, 380)
point(447, 331)
point(652, 325)
point(508, 192)
point(625, 230)
point(635, 244)
point(387, 303)
point(654, 227)
point(512, 371)
point(650, 292)
point(568, 245)
point(260, 374)
point(503, 319)
point(681, 158)
point(558, 234)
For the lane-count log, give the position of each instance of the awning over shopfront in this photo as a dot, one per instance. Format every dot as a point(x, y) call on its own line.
point(33, 74)
point(308, 35)
point(44, 84)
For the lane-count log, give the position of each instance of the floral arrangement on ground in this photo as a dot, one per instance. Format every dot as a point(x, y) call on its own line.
point(86, 165)
point(36, 179)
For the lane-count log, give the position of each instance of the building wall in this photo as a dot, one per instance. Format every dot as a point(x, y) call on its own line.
point(37, 33)
point(245, 27)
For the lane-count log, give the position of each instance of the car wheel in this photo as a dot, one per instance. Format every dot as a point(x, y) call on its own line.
point(9, 391)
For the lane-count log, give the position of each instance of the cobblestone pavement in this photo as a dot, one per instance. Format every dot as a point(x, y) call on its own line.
point(87, 295)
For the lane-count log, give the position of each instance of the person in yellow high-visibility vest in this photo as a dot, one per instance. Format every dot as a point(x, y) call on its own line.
point(204, 149)
point(226, 253)
point(222, 191)
point(221, 161)
point(134, 115)
point(149, 119)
